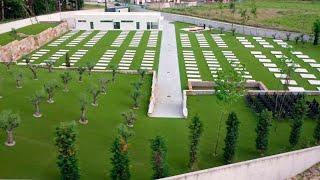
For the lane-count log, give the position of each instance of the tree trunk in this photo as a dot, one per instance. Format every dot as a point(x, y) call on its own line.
point(18, 84)
point(66, 87)
point(50, 99)
point(10, 141)
point(80, 78)
point(218, 134)
point(2, 10)
point(37, 114)
point(83, 119)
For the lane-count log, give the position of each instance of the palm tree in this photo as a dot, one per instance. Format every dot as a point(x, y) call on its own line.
point(8, 122)
point(81, 70)
point(49, 87)
point(49, 65)
point(35, 99)
point(18, 77)
point(66, 78)
point(84, 101)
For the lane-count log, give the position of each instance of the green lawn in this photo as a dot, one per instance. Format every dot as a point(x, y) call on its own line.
point(34, 29)
point(34, 155)
point(256, 69)
point(293, 15)
point(95, 53)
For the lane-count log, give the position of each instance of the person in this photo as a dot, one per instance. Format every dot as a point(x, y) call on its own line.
point(204, 26)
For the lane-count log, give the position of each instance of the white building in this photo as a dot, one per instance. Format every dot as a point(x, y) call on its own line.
point(118, 20)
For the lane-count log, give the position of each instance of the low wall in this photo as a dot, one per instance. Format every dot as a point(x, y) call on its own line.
point(16, 49)
point(153, 93)
point(247, 30)
point(193, 85)
point(275, 167)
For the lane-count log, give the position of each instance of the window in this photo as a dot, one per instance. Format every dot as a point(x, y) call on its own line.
point(126, 21)
point(91, 25)
point(148, 25)
point(82, 21)
point(106, 21)
point(116, 25)
point(137, 25)
point(154, 25)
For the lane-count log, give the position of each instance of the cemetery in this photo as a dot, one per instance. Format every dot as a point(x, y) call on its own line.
point(110, 83)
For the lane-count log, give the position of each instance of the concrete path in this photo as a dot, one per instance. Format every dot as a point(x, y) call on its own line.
point(169, 93)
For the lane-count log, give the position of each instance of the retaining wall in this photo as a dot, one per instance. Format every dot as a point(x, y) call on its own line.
point(277, 167)
point(16, 49)
point(153, 93)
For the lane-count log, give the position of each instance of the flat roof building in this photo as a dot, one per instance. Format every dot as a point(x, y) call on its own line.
point(118, 21)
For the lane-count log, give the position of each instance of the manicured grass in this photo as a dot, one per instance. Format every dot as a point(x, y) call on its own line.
point(256, 69)
point(293, 15)
point(96, 52)
point(34, 29)
point(34, 155)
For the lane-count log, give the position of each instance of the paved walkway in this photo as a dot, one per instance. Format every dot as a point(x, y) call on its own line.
point(169, 93)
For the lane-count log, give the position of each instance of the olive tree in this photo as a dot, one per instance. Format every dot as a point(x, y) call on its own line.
point(84, 101)
point(36, 99)
point(129, 117)
point(8, 122)
point(19, 78)
point(49, 88)
point(66, 78)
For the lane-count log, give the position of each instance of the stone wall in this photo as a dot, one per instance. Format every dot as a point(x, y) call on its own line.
point(16, 49)
point(281, 166)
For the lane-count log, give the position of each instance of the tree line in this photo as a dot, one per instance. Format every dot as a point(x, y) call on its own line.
point(13, 9)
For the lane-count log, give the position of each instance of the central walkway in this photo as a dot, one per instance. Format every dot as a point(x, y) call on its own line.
point(169, 93)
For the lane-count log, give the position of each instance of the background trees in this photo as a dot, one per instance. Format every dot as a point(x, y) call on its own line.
point(8, 122)
point(158, 157)
point(65, 140)
point(316, 31)
point(12, 9)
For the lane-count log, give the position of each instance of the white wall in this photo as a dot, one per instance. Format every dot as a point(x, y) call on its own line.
point(275, 167)
point(96, 18)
